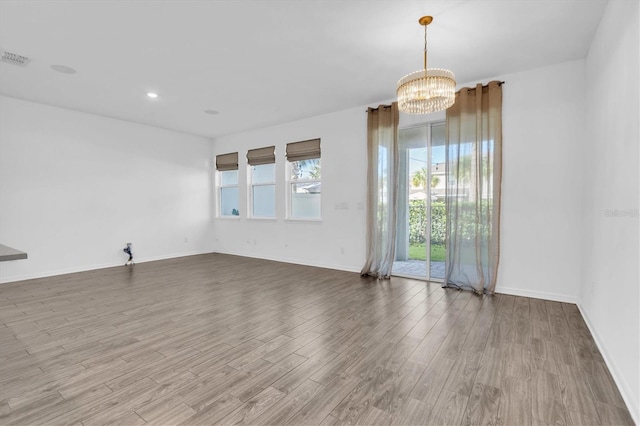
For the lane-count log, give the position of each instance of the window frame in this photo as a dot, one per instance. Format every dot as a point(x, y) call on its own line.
point(289, 189)
point(222, 186)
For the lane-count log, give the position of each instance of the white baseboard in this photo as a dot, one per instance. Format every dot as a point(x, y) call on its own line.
point(85, 268)
point(537, 294)
point(345, 268)
point(172, 256)
point(619, 378)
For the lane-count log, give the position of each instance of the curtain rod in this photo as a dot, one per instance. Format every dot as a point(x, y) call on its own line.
point(375, 109)
point(500, 83)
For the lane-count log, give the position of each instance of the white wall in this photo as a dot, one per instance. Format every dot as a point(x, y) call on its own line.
point(543, 137)
point(543, 119)
point(75, 187)
point(338, 240)
point(609, 296)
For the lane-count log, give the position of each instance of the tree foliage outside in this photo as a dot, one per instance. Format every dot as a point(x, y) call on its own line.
point(470, 228)
point(315, 172)
point(311, 167)
point(419, 180)
point(417, 230)
point(418, 222)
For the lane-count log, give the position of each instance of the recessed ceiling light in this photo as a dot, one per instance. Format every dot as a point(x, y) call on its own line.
point(211, 111)
point(152, 95)
point(63, 69)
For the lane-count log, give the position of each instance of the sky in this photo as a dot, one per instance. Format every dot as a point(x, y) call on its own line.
point(418, 157)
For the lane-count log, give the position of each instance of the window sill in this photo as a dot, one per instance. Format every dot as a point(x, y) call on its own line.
point(263, 219)
point(228, 217)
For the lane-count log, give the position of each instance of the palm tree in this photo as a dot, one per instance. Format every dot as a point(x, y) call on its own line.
point(296, 168)
point(419, 180)
point(467, 175)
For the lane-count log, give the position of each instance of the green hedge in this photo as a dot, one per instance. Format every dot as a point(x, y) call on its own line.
point(418, 222)
point(470, 228)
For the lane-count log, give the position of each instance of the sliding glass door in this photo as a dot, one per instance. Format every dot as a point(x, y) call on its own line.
point(420, 250)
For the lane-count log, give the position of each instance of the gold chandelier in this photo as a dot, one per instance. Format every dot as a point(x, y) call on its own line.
point(429, 89)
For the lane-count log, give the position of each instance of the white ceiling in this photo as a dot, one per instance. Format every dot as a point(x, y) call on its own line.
point(266, 62)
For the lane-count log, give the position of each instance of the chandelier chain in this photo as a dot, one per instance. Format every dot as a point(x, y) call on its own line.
point(425, 47)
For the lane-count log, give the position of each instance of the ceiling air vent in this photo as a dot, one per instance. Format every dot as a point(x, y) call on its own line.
point(14, 58)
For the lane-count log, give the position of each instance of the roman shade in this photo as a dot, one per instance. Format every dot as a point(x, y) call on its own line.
point(227, 161)
point(259, 156)
point(305, 150)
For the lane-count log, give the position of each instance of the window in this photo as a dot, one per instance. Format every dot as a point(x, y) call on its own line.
point(304, 179)
point(227, 166)
point(262, 177)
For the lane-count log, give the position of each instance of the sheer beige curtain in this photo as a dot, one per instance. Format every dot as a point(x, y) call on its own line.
point(382, 183)
point(474, 174)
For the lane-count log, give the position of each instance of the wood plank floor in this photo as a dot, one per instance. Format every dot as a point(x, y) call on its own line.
point(218, 339)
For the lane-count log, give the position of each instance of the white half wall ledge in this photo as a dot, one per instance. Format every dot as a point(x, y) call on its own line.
point(86, 268)
point(623, 386)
